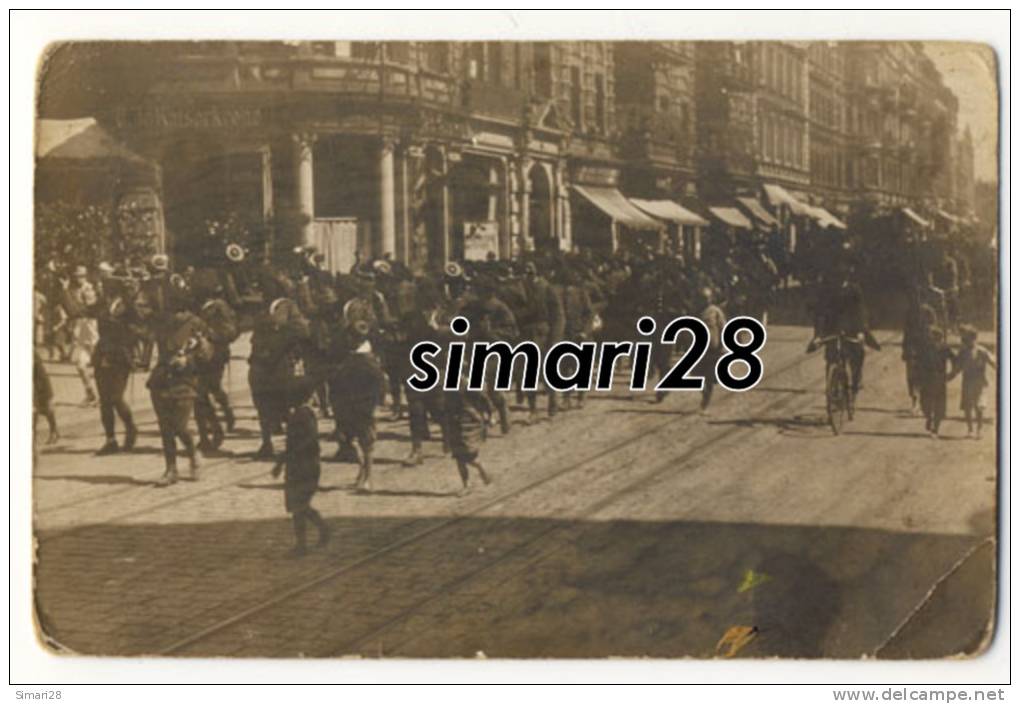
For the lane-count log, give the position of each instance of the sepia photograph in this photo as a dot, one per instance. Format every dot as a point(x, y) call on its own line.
point(515, 349)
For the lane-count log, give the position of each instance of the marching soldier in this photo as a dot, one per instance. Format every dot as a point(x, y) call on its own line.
point(360, 382)
point(492, 320)
point(223, 329)
point(578, 317)
point(182, 342)
point(279, 334)
point(119, 332)
point(542, 322)
point(398, 291)
point(423, 323)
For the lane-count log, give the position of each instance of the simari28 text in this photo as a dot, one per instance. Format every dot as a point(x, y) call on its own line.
point(585, 366)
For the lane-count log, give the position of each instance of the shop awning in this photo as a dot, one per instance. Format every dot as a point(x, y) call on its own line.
point(825, 218)
point(948, 216)
point(79, 141)
point(755, 208)
point(778, 195)
point(614, 204)
point(915, 217)
point(669, 211)
point(731, 217)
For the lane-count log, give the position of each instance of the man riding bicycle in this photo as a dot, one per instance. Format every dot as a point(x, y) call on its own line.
point(840, 312)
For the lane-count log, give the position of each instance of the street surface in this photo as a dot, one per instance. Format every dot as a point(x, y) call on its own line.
point(626, 529)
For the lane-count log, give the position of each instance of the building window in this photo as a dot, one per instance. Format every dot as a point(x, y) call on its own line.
point(600, 102)
point(399, 52)
point(437, 57)
point(476, 61)
point(365, 51)
point(518, 66)
point(495, 62)
point(575, 96)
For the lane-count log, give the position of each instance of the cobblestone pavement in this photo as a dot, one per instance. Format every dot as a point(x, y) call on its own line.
point(627, 528)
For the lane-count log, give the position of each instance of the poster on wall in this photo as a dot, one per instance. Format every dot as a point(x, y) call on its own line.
point(481, 239)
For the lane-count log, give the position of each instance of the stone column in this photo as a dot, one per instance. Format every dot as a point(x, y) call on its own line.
point(266, 154)
point(304, 183)
point(447, 248)
point(387, 242)
point(506, 214)
point(525, 195)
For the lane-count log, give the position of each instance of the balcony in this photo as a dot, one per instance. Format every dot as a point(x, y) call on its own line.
point(272, 70)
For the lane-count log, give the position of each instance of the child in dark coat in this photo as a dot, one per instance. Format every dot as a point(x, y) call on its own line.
point(466, 424)
point(301, 460)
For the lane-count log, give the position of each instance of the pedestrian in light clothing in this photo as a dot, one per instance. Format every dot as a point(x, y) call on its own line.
point(715, 319)
point(972, 362)
point(79, 298)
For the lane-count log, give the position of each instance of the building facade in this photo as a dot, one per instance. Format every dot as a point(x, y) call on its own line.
point(432, 151)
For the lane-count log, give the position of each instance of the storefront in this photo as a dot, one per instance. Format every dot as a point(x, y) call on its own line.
point(605, 221)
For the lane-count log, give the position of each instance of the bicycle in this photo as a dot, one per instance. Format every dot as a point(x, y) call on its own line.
point(839, 393)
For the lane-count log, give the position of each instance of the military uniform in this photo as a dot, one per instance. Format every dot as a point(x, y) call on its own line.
point(578, 315)
point(360, 382)
point(119, 332)
point(182, 344)
point(425, 323)
point(223, 328)
point(542, 322)
point(278, 336)
point(492, 320)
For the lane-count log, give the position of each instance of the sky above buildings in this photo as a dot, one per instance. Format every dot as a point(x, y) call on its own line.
point(969, 71)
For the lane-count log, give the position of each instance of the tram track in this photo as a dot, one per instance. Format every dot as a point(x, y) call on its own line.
point(188, 642)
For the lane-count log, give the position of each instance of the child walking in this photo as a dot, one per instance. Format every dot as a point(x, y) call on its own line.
point(466, 424)
point(971, 362)
point(301, 461)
